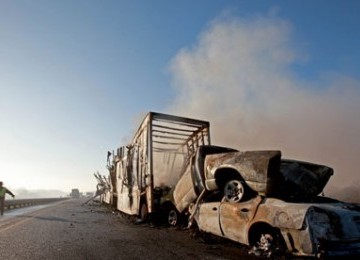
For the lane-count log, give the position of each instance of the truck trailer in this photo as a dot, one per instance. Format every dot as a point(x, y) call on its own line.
point(143, 172)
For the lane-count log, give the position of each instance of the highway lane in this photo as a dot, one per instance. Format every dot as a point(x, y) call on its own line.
point(68, 230)
point(17, 216)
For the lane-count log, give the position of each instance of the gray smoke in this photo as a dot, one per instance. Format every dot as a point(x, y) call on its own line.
point(239, 77)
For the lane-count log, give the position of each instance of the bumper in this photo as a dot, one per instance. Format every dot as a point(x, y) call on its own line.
point(339, 248)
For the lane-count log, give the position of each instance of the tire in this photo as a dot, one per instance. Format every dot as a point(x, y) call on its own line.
point(173, 217)
point(234, 191)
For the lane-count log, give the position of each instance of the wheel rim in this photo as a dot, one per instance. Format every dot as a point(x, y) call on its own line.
point(269, 244)
point(266, 242)
point(234, 191)
point(172, 218)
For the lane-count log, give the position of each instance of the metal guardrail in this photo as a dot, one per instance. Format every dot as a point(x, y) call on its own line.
point(13, 204)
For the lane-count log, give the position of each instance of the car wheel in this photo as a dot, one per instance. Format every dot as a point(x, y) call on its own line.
point(173, 217)
point(269, 244)
point(234, 191)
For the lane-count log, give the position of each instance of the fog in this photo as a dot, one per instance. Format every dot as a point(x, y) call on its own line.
point(23, 193)
point(240, 76)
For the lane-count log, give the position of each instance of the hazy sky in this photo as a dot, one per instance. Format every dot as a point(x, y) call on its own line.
point(77, 76)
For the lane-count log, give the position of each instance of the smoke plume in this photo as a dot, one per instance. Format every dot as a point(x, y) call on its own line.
point(240, 77)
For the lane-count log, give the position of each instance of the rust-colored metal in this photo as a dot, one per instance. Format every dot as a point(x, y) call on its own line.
point(281, 201)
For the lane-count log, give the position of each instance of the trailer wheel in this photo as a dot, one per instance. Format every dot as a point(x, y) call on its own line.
point(144, 213)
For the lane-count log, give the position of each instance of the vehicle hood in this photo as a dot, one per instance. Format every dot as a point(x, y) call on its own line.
point(337, 218)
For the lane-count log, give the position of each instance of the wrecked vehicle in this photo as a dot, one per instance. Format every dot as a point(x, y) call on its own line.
point(273, 226)
point(143, 172)
point(258, 199)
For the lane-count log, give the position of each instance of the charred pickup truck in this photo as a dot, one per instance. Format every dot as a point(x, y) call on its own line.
point(271, 204)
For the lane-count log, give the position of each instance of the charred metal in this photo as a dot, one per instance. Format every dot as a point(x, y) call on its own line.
point(171, 172)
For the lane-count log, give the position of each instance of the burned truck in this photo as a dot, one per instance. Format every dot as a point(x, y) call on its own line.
point(143, 172)
point(271, 204)
point(75, 194)
point(256, 198)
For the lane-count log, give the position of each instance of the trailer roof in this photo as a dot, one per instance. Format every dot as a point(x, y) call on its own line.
point(170, 132)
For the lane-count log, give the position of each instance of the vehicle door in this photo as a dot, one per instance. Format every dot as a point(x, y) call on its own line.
point(235, 218)
point(208, 218)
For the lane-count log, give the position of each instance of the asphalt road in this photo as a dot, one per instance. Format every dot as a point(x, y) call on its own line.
point(68, 230)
